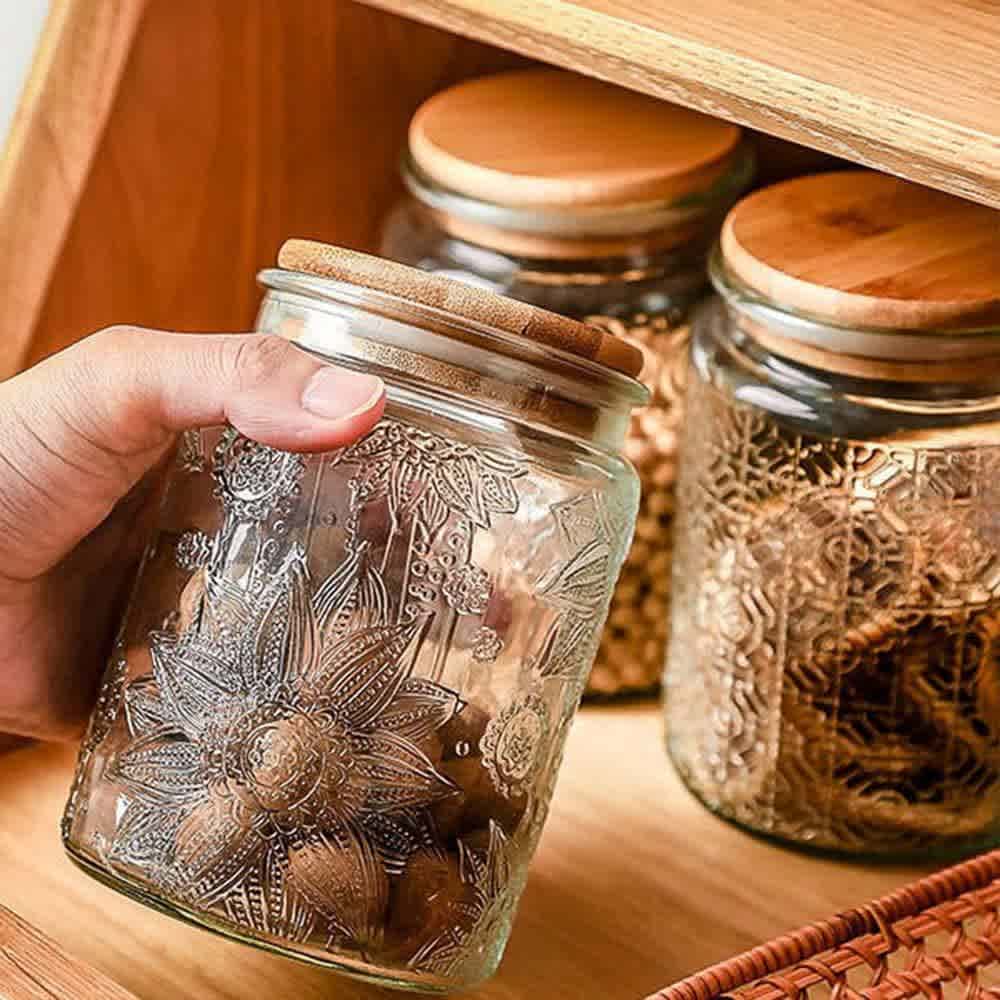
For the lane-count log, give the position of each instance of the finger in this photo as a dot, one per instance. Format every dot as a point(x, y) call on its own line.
point(78, 430)
point(269, 389)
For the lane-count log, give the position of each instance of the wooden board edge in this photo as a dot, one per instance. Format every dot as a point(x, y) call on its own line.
point(920, 148)
point(53, 139)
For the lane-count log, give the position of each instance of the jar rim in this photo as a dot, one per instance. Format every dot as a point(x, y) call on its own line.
point(601, 385)
point(465, 300)
point(825, 345)
point(588, 222)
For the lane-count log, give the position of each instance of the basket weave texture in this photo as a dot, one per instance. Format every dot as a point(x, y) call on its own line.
point(938, 938)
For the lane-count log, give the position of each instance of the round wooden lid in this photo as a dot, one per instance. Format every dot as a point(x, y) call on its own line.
point(862, 249)
point(464, 301)
point(545, 137)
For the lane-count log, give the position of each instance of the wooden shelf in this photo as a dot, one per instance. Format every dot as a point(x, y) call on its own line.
point(161, 156)
point(635, 885)
point(909, 88)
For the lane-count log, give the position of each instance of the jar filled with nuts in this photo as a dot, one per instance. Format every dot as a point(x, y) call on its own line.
point(337, 709)
point(600, 204)
point(834, 669)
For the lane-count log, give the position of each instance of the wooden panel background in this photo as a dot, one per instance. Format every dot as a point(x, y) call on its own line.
point(53, 139)
point(238, 123)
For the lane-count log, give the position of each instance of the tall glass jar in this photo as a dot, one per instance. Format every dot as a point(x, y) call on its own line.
point(834, 672)
point(597, 203)
point(334, 717)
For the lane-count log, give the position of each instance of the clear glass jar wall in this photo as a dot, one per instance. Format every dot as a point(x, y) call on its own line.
point(630, 284)
point(834, 670)
point(335, 714)
point(640, 291)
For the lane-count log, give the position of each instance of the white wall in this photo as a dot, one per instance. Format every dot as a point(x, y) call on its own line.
point(20, 27)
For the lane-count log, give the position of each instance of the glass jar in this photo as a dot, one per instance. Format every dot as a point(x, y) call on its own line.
point(600, 204)
point(834, 674)
point(332, 723)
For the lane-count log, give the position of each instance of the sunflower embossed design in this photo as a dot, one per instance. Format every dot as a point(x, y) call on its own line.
point(276, 779)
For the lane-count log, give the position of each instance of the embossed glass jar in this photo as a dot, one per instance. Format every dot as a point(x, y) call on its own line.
point(834, 672)
point(332, 724)
point(597, 203)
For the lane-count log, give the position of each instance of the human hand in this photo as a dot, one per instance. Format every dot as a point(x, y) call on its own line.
point(78, 433)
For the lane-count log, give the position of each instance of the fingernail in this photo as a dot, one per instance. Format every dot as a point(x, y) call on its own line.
point(337, 394)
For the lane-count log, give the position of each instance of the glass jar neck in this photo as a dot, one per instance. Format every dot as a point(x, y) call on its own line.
point(624, 287)
point(580, 260)
point(427, 353)
point(532, 245)
point(585, 231)
point(964, 357)
point(876, 406)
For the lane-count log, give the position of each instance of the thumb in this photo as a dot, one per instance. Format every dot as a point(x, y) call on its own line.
point(80, 429)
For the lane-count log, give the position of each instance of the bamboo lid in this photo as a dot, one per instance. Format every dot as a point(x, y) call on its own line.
point(865, 250)
point(462, 300)
point(548, 138)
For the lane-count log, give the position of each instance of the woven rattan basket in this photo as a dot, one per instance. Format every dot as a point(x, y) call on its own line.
point(938, 937)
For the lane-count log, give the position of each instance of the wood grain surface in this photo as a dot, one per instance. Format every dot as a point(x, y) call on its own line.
point(464, 300)
point(542, 137)
point(236, 124)
point(233, 125)
point(910, 88)
point(862, 249)
point(53, 140)
point(635, 885)
point(34, 968)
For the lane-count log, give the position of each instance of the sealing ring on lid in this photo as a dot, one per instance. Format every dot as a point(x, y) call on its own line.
point(465, 301)
point(865, 251)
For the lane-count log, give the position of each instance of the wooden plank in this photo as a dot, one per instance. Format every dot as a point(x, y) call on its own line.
point(51, 146)
point(909, 88)
point(237, 124)
point(635, 885)
point(34, 968)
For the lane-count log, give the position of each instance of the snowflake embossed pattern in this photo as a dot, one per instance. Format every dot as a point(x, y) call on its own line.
point(487, 645)
point(467, 590)
point(834, 674)
point(325, 761)
point(252, 479)
point(514, 743)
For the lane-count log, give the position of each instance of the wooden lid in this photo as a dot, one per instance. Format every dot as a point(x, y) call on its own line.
point(547, 138)
point(462, 300)
point(862, 249)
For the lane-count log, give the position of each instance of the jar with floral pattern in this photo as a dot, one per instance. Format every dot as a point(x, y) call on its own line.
point(601, 204)
point(334, 715)
point(834, 671)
